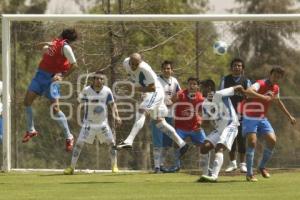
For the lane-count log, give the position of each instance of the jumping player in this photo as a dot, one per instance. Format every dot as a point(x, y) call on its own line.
point(57, 63)
point(146, 81)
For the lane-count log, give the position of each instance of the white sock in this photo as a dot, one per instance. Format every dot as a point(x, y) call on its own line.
point(76, 153)
point(156, 156)
point(163, 154)
point(218, 162)
point(170, 131)
point(113, 156)
point(233, 162)
point(204, 163)
point(138, 125)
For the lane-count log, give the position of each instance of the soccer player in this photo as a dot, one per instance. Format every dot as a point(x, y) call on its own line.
point(146, 81)
point(255, 123)
point(162, 142)
point(236, 77)
point(1, 109)
point(57, 63)
point(188, 108)
point(96, 97)
point(218, 107)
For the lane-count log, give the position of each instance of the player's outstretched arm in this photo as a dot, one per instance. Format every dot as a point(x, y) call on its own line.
point(282, 107)
point(40, 45)
point(251, 93)
point(238, 88)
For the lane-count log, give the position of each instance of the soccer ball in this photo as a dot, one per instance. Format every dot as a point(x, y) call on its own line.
point(220, 47)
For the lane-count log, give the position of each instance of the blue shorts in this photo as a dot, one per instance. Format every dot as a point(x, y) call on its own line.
point(159, 138)
point(42, 84)
point(197, 137)
point(260, 126)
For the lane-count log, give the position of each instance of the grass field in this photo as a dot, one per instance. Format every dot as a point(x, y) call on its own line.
point(44, 186)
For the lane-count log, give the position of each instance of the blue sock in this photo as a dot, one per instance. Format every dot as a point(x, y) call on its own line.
point(62, 121)
point(266, 157)
point(29, 119)
point(249, 160)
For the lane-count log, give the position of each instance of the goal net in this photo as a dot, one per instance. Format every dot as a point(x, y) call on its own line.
point(262, 41)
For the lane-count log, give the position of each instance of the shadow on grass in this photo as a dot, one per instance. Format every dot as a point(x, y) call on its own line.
point(88, 174)
point(60, 174)
point(90, 182)
point(222, 181)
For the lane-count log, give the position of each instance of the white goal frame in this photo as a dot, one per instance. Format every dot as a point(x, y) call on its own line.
point(6, 60)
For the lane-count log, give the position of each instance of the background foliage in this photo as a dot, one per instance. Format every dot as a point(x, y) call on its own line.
point(104, 45)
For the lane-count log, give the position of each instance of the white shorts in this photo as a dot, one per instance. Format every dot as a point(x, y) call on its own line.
point(102, 132)
point(226, 137)
point(153, 103)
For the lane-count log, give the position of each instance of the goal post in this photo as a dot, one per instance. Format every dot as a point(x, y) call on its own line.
point(7, 19)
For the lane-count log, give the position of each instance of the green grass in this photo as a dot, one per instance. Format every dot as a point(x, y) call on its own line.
point(181, 186)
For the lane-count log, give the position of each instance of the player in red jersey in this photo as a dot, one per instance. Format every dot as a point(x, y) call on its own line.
point(188, 106)
point(254, 109)
point(58, 62)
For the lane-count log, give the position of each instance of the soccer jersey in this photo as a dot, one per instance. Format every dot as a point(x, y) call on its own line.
point(255, 107)
point(143, 76)
point(95, 104)
point(187, 110)
point(54, 61)
point(1, 105)
point(229, 81)
point(220, 109)
point(171, 87)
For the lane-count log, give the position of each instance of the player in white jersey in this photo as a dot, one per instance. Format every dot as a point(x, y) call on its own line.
point(1, 109)
point(161, 142)
point(146, 82)
point(218, 107)
point(96, 98)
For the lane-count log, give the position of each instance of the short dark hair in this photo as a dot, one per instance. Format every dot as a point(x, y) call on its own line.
point(97, 73)
point(193, 79)
point(209, 83)
point(69, 34)
point(277, 69)
point(167, 62)
point(235, 60)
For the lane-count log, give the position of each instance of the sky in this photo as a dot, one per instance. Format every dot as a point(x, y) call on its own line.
point(220, 8)
point(69, 7)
